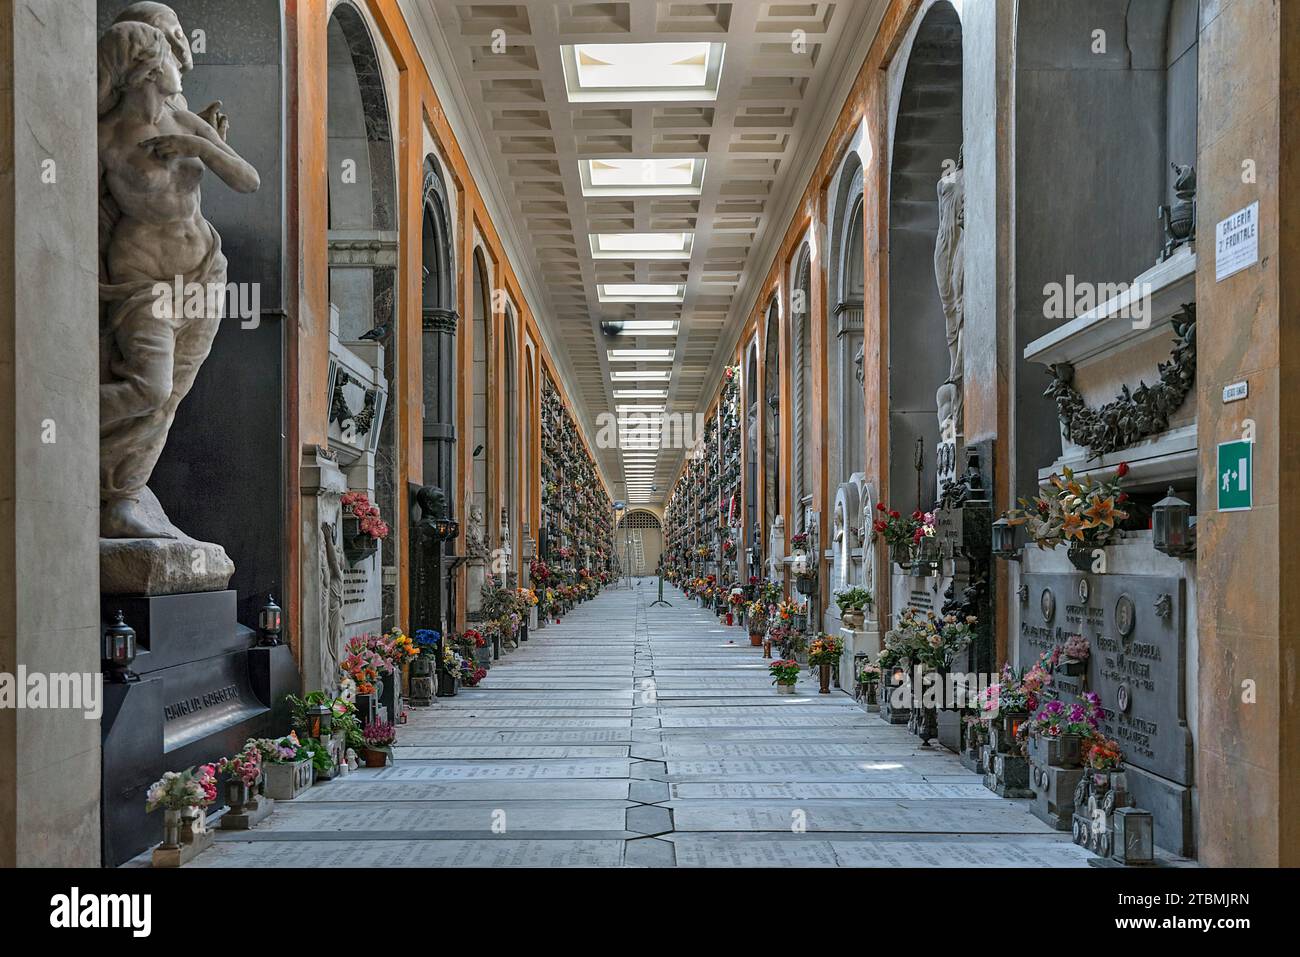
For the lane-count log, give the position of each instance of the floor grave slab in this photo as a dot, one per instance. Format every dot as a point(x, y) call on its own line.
point(384, 792)
point(451, 816)
point(416, 853)
point(508, 752)
point(891, 816)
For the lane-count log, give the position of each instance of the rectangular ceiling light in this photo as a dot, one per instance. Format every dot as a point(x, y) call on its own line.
point(634, 375)
point(641, 245)
point(639, 355)
point(652, 176)
point(640, 393)
point(648, 327)
point(639, 409)
point(640, 291)
point(636, 72)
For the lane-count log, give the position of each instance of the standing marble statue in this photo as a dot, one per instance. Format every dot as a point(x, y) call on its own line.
point(950, 274)
point(162, 292)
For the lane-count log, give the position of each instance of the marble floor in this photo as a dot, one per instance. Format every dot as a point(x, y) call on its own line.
point(649, 736)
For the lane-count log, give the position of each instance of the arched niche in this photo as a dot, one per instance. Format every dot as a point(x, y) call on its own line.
point(362, 242)
point(771, 416)
point(481, 335)
point(439, 322)
point(845, 400)
point(510, 428)
point(361, 193)
point(1105, 102)
point(803, 470)
point(753, 534)
point(531, 470)
point(926, 146)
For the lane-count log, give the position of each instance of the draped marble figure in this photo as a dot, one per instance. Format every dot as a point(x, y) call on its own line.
point(156, 249)
point(950, 275)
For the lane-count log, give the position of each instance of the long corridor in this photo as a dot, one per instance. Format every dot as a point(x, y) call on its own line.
point(649, 736)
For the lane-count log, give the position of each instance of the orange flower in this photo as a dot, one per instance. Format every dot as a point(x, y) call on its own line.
point(1103, 512)
point(1072, 526)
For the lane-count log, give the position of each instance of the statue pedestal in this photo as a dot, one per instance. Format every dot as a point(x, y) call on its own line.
point(204, 690)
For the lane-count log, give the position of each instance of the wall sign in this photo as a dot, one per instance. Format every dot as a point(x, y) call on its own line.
point(1236, 242)
point(1236, 475)
point(1236, 391)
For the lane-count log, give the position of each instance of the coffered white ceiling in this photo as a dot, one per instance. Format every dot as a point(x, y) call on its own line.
point(646, 182)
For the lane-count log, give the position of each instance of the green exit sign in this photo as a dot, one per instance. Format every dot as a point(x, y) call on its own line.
point(1236, 480)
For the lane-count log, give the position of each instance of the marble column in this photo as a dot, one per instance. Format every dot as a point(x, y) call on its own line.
point(49, 425)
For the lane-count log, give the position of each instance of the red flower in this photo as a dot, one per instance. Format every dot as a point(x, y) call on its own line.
point(918, 515)
point(879, 525)
point(880, 506)
point(1123, 497)
point(1121, 470)
point(894, 515)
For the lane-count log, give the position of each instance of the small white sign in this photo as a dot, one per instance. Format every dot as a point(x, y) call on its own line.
point(1236, 242)
point(1236, 391)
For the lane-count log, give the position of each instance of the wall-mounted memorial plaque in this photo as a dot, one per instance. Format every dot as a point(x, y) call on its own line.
point(1135, 626)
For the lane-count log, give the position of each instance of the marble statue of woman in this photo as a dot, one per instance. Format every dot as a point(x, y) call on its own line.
point(950, 274)
point(156, 249)
point(164, 18)
point(332, 592)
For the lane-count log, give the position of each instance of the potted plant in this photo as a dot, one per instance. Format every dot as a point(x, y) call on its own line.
point(756, 615)
point(287, 765)
point(824, 653)
point(853, 604)
point(377, 743)
point(784, 672)
point(182, 795)
point(1062, 728)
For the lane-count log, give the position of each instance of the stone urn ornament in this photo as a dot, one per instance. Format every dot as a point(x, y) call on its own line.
point(162, 291)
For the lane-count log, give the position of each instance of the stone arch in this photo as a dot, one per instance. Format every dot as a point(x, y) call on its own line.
point(481, 337)
point(926, 147)
point(509, 387)
point(753, 533)
point(362, 242)
point(771, 401)
point(439, 324)
point(1118, 113)
point(845, 401)
point(803, 471)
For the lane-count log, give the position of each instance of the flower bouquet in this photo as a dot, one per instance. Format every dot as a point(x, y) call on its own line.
point(1079, 514)
point(824, 653)
point(901, 533)
point(183, 795)
point(853, 604)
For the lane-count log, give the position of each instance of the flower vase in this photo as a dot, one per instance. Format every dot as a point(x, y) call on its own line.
point(900, 553)
point(374, 759)
point(731, 619)
point(1080, 556)
point(783, 688)
point(767, 647)
point(756, 639)
point(824, 677)
point(171, 827)
point(237, 795)
point(853, 618)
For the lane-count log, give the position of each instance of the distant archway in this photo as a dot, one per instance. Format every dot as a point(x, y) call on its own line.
point(480, 446)
point(439, 322)
point(640, 541)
